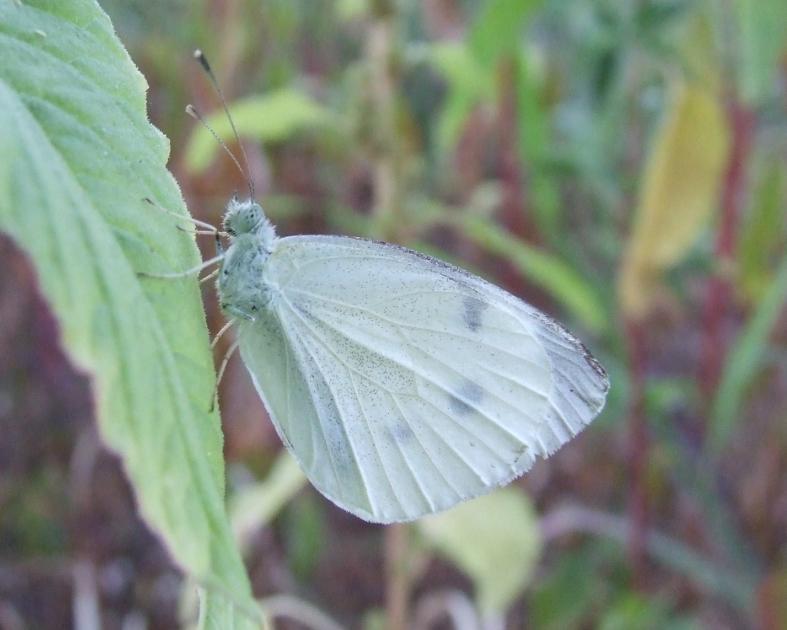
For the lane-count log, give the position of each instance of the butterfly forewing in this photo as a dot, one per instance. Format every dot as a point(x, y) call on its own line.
point(404, 385)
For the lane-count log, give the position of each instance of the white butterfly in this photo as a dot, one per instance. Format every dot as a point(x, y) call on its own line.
point(401, 384)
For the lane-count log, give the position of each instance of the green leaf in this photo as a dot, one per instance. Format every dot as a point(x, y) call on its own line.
point(763, 231)
point(534, 141)
point(77, 155)
point(495, 539)
point(257, 504)
point(744, 361)
point(272, 117)
point(468, 83)
point(347, 10)
point(468, 68)
point(633, 610)
point(566, 595)
point(498, 28)
point(304, 532)
point(762, 38)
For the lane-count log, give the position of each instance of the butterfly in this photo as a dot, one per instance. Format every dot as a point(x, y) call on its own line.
point(401, 384)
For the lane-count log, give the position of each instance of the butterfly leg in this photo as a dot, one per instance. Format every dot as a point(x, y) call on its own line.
point(188, 230)
point(210, 276)
point(222, 368)
point(209, 229)
point(221, 332)
point(183, 274)
point(219, 246)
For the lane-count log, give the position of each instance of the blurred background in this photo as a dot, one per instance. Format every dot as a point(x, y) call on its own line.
point(620, 165)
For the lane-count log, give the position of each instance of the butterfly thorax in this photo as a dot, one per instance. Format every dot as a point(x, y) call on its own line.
point(241, 286)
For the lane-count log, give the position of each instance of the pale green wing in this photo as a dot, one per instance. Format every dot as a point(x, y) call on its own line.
point(404, 385)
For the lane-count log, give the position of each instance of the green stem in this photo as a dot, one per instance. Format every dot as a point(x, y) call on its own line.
point(388, 175)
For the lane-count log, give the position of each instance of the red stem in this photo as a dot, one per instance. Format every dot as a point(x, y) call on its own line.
point(397, 576)
point(515, 216)
point(719, 293)
point(637, 450)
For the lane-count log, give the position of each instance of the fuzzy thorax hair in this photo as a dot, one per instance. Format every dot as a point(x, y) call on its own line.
point(241, 285)
point(248, 217)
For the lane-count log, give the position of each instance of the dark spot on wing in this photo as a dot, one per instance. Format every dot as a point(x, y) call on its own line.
point(465, 398)
point(400, 433)
point(473, 311)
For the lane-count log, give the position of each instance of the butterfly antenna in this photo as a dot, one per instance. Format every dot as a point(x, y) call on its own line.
point(203, 61)
point(192, 111)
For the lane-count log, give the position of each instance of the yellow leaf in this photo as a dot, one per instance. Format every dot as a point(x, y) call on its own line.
point(494, 539)
point(678, 194)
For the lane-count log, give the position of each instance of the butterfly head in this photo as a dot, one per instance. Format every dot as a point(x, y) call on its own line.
point(243, 217)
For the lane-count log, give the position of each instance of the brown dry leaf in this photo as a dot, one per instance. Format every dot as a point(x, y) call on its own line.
point(678, 194)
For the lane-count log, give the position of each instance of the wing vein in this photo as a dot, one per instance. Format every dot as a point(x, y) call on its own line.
point(429, 457)
point(316, 410)
point(511, 379)
point(401, 324)
point(459, 455)
point(374, 443)
point(321, 420)
point(466, 430)
point(426, 378)
point(466, 400)
point(323, 259)
point(417, 370)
